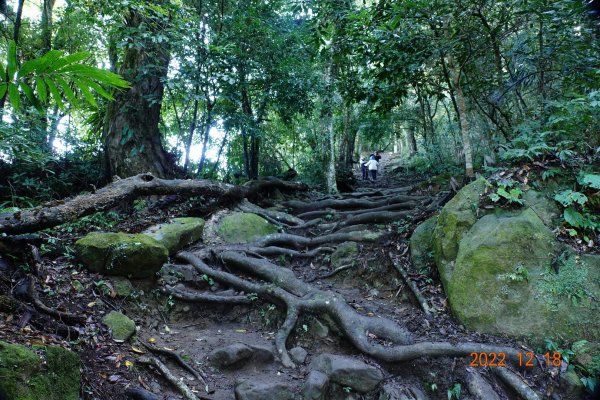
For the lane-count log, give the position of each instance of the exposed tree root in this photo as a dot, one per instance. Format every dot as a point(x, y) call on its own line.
point(333, 273)
point(380, 338)
point(68, 318)
point(350, 204)
point(301, 242)
point(413, 287)
point(52, 214)
point(276, 217)
point(205, 297)
point(391, 207)
point(379, 217)
point(168, 375)
point(317, 213)
point(516, 383)
point(39, 320)
point(196, 374)
point(137, 393)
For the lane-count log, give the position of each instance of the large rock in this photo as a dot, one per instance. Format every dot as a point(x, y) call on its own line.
point(455, 219)
point(131, 255)
point(121, 326)
point(347, 371)
point(237, 355)
point(178, 233)
point(421, 243)
point(344, 254)
point(503, 281)
point(544, 207)
point(391, 391)
point(51, 373)
point(245, 390)
point(240, 227)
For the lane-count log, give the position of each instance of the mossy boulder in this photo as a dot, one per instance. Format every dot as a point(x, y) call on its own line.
point(455, 219)
point(503, 282)
point(544, 207)
point(344, 254)
point(131, 255)
point(121, 326)
point(241, 227)
point(178, 233)
point(122, 286)
point(49, 373)
point(421, 243)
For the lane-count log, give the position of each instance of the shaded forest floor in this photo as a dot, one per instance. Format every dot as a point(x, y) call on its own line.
point(371, 285)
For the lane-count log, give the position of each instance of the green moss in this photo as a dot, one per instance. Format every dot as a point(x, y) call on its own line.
point(52, 375)
point(138, 255)
point(503, 282)
point(240, 227)
point(345, 253)
point(455, 219)
point(177, 234)
point(121, 326)
point(421, 243)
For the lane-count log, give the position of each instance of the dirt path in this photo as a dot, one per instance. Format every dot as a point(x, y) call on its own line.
point(302, 296)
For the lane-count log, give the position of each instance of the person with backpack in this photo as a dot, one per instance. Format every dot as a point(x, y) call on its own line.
point(372, 166)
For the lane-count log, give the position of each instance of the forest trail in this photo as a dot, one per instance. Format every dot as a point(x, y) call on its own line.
point(349, 250)
point(271, 318)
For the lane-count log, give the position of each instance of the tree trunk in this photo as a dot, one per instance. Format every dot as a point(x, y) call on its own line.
point(132, 139)
point(327, 129)
point(190, 138)
point(46, 24)
point(207, 126)
point(464, 123)
point(412, 141)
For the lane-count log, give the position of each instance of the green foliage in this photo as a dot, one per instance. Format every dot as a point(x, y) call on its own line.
point(507, 192)
point(454, 392)
point(51, 76)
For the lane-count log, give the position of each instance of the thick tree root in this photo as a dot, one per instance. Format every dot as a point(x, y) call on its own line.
point(516, 383)
point(53, 214)
point(137, 393)
point(413, 287)
point(379, 217)
point(350, 204)
point(198, 297)
point(380, 338)
point(301, 242)
point(276, 217)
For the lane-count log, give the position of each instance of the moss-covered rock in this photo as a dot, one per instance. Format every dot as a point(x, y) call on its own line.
point(122, 286)
point(544, 207)
point(503, 282)
point(587, 356)
point(121, 326)
point(345, 253)
point(455, 219)
point(136, 256)
point(51, 373)
point(421, 243)
point(240, 227)
point(178, 233)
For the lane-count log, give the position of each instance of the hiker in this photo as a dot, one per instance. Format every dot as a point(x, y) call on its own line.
point(377, 156)
point(372, 165)
point(363, 168)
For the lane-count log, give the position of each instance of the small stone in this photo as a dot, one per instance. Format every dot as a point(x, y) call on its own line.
point(319, 329)
point(237, 355)
point(122, 286)
point(347, 371)
point(298, 355)
point(316, 385)
point(78, 286)
point(121, 326)
point(245, 390)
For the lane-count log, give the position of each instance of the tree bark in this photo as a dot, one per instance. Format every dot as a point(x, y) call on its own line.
point(464, 123)
point(132, 139)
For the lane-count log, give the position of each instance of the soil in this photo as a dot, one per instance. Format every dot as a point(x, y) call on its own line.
point(193, 330)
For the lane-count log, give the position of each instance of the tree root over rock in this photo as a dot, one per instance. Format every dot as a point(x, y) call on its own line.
point(380, 338)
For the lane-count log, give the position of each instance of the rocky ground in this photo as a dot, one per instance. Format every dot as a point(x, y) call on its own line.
point(269, 331)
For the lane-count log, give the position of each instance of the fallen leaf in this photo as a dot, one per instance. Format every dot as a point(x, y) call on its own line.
point(92, 304)
point(152, 340)
point(129, 364)
point(136, 350)
point(240, 330)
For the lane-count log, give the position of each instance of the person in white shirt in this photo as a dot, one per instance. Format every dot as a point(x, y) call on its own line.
point(372, 165)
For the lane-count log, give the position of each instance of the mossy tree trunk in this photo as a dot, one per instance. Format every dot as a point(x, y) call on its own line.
point(132, 139)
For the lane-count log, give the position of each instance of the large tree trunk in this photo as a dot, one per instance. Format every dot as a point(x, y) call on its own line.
point(328, 132)
point(132, 139)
